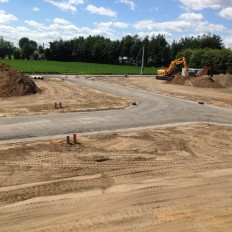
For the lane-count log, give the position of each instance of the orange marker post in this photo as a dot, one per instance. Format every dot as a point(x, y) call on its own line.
point(74, 138)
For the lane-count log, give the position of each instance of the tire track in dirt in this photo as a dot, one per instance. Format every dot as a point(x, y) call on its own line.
point(164, 208)
point(159, 189)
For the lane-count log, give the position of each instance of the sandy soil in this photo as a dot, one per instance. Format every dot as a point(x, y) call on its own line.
point(218, 97)
point(71, 96)
point(76, 98)
point(171, 179)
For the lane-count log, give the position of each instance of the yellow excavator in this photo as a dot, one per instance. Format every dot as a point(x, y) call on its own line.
point(166, 74)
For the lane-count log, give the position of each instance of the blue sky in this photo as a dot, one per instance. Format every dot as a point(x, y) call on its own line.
point(47, 20)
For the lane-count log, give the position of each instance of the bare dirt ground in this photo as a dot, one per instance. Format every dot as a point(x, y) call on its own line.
point(76, 98)
point(215, 96)
point(164, 179)
point(71, 96)
point(170, 179)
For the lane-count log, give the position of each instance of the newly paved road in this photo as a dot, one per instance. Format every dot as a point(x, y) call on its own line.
point(151, 110)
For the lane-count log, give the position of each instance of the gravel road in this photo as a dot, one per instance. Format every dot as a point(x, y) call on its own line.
point(151, 109)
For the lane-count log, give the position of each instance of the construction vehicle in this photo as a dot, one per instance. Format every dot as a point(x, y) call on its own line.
point(167, 74)
point(205, 71)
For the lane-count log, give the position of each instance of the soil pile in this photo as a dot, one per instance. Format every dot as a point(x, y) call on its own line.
point(178, 80)
point(224, 80)
point(14, 83)
point(218, 81)
point(205, 82)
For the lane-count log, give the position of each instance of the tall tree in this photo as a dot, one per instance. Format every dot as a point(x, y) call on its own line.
point(159, 50)
point(135, 49)
point(114, 52)
point(23, 41)
point(28, 47)
point(126, 44)
point(27, 51)
point(6, 48)
point(211, 41)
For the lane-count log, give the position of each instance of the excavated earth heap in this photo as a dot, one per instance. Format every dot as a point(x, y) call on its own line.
point(15, 83)
point(218, 81)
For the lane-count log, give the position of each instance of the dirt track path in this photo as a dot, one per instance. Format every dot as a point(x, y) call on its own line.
point(218, 97)
point(151, 109)
point(173, 179)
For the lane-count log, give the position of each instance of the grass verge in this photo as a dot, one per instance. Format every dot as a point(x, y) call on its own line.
point(56, 67)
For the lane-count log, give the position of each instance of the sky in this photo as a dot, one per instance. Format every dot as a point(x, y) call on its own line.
point(45, 21)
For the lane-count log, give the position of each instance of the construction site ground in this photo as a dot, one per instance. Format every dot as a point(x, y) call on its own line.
point(164, 179)
point(176, 178)
point(56, 90)
point(215, 96)
point(77, 98)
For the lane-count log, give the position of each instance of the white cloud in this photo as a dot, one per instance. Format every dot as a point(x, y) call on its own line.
point(172, 25)
point(203, 4)
point(226, 13)
point(64, 29)
point(63, 26)
point(185, 22)
point(228, 41)
point(130, 3)
point(4, 0)
point(101, 11)
point(191, 17)
point(66, 5)
point(121, 25)
point(61, 21)
point(35, 9)
point(168, 36)
point(5, 18)
point(38, 26)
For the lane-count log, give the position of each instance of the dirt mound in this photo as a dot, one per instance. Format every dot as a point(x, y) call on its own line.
point(178, 80)
point(224, 80)
point(218, 81)
point(14, 83)
point(205, 82)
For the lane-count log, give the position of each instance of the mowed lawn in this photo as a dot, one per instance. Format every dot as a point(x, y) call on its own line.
point(56, 67)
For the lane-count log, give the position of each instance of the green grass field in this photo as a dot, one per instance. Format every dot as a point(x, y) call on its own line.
point(55, 67)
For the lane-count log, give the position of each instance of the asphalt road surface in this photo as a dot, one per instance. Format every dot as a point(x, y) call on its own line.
point(151, 110)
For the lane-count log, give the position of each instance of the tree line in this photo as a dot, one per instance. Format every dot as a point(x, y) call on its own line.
point(200, 51)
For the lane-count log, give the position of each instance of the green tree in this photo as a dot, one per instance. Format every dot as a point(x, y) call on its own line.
point(220, 60)
point(114, 52)
point(200, 42)
point(175, 48)
point(135, 48)
point(61, 50)
point(27, 51)
point(17, 54)
point(99, 49)
point(196, 58)
point(145, 45)
point(6, 48)
point(47, 54)
point(211, 41)
point(159, 50)
point(126, 44)
point(23, 41)
point(28, 47)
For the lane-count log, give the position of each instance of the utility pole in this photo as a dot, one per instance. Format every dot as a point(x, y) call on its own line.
point(142, 65)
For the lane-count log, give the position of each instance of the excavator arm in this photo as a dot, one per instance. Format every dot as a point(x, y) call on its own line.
point(169, 70)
